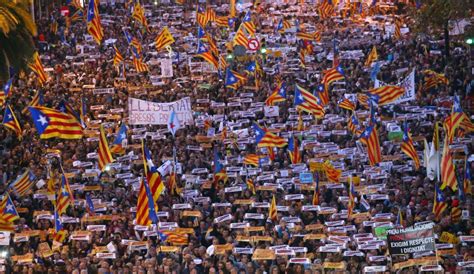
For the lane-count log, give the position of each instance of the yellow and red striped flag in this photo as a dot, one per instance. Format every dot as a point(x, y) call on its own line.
point(272, 211)
point(94, 27)
point(139, 15)
point(448, 172)
point(439, 205)
point(140, 66)
point(118, 58)
point(103, 152)
point(38, 69)
point(23, 183)
point(347, 104)
point(146, 206)
point(251, 186)
point(51, 123)
point(64, 197)
point(386, 94)
point(373, 56)
point(164, 39)
point(333, 174)
point(8, 213)
point(408, 148)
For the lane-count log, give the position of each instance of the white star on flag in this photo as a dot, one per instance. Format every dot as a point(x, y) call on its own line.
point(42, 120)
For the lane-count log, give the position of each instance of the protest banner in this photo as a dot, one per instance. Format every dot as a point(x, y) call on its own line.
point(143, 112)
point(418, 238)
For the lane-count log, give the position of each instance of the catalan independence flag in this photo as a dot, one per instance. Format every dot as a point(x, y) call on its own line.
point(272, 211)
point(453, 121)
point(51, 123)
point(251, 159)
point(65, 197)
point(351, 203)
point(306, 101)
point(117, 145)
point(373, 56)
point(5, 91)
point(248, 24)
point(326, 9)
point(333, 174)
point(139, 15)
point(440, 204)
point(283, 25)
point(265, 138)
point(347, 104)
point(448, 172)
point(103, 152)
point(386, 94)
point(204, 53)
point(118, 58)
point(59, 232)
point(153, 178)
point(408, 148)
point(8, 213)
point(278, 95)
point(240, 38)
point(353, 124)
point(94, 26)
point(146, 207)
point(315, 200)
point(37, 67)
point(250, 186)
point(234, 79)
point(37, 100)
point(315, 36)
point(294, 151)
point(10, 121)
point(140, 65)
point(23, 183)
point(219, 171)
point(164, 38)
point(173, 237)
point(370, 138)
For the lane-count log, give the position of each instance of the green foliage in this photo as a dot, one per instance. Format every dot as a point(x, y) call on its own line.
point(16, 31)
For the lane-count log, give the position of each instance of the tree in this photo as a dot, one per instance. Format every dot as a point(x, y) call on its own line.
point(16, 31)
point(433, 17)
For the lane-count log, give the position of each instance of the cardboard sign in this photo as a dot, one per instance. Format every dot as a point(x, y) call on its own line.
point(418, 238)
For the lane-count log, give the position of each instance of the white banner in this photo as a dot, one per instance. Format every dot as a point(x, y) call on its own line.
point(166, 68)
point(141, 112)
point(408, 83)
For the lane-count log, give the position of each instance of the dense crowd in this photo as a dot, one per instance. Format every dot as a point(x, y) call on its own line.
point(74, 62)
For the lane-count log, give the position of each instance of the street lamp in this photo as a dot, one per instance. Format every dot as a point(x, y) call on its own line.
point(469, 41)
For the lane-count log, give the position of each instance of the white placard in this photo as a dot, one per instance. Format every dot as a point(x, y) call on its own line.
point(143, 112)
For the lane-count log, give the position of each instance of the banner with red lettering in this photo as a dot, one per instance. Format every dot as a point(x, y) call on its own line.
point(141, 112)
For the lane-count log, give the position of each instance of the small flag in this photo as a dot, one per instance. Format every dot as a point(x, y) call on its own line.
point(10, 121)
point(103, 152)
point(173, 123)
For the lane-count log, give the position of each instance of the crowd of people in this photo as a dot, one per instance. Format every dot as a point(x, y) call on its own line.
point(224, 226)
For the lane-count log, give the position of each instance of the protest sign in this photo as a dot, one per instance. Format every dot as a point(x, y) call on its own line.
point(143, 112)
point(411, 239)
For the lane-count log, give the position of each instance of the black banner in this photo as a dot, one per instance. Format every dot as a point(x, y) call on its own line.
point(418, 238)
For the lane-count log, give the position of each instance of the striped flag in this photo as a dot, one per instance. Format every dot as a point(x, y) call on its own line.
point(222, 21)
point(219, 171)
point(37, 100)
point(152, 175)
point(332, 75)
point(467, 178)
point(117, 145)
point(294, 151)
point(408, 148)
point(37, 67)
point(64, 197)
point(94, 26)
point(103, 152)
point(140, 66)
point(265, 138)
point(118, 58)
point(439, 205)
point(373, 56)
point(8, 213)
point(322, 94)
point(283, 25)
point(370, 138)
point(146, 207)
point(456, 213)
point(326, 9)
point(397, 34)
point(23, 183)
point(448, 172)
point(347, 104)
point(278, 95)
point(204, 53)
point(51, 123)
point(250, 186)
point(306, 101)
point(251, 159)
point(234, 79)
point(10, 121)
point(354, 125)
point(351, 203)
point(386, 94)
point(248, 24)
point(272, 211)
point(139, 15)
point(333, 174)
point(240, 38)
point(164, 39)
point(315, 200)
point(5, 91)
point(59, 233)
point(8, 227)
point(174, 238)
point(453, 121)
point(301, 57)
point(315, 36)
